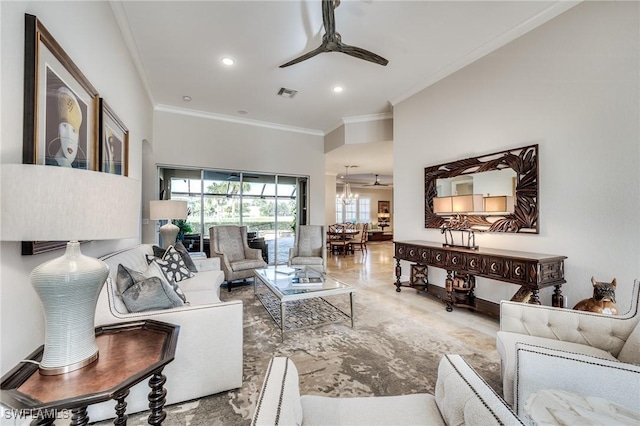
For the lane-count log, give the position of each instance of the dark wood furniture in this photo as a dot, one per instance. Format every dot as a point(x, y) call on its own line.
point(379, 236)
point(531, 271)
point(129, 353)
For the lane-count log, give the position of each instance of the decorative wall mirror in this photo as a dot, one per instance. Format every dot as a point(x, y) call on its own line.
point(490, 193)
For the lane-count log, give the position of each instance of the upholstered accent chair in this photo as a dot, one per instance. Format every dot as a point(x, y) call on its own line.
point(309, 248)
point(238, 260)
point(607, 337)
point(461, 398)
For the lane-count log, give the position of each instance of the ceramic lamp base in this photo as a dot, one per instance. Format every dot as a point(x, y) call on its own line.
point(168, 233)
point(68, 288)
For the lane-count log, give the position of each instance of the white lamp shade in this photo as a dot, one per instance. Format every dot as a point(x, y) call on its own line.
point(442, 205)
point(49, 203)
point(167, 210)
point(467, 203)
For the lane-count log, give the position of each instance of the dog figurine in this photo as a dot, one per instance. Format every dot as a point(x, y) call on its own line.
point(603, 300)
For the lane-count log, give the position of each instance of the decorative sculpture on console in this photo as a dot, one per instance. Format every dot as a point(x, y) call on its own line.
point(460, 224)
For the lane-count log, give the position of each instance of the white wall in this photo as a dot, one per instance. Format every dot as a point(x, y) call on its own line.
point(88, 33)
point(203, 142)
point(572, 87)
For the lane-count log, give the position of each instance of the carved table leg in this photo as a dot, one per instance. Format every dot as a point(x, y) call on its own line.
point(557, 299)
point(79, 417)
point(534, 299)
point(398, 274)
point(157, 398)
point(449, 287)
point(121, 408)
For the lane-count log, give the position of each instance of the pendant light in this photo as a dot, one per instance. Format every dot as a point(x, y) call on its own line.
point(347, 197)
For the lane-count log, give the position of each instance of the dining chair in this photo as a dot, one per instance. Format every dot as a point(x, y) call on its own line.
point(362, 243)
point(342, 244)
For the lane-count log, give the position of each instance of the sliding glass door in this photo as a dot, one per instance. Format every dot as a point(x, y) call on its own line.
point(269, 205)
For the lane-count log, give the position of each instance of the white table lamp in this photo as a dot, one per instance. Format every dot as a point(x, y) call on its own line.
point(168, 210)
point(49, 203)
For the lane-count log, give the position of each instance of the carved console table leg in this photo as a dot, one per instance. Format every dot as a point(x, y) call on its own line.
point(534, 299)
point(557, 299)
point(121, 408)
point(398, 274)
point(157, 398)
point(79, 417)
point(449, 287)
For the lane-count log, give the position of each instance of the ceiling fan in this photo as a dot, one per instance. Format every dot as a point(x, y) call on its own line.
point(377, 183)
point(332, 41)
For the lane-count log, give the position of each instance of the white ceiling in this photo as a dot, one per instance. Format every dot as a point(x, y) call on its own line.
point(178, 47)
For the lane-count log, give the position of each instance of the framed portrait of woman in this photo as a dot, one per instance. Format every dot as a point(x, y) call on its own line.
point(60, 105)
point(114, 142)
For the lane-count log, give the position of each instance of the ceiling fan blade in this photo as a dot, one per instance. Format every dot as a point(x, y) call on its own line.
point(305, 56)
point(360, 53)
point(328, 17)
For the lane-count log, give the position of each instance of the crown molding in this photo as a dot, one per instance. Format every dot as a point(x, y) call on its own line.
point(360, 119)
point(501, 40)
point(237, 120)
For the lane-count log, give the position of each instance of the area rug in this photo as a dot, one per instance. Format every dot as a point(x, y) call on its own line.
point(389, 352)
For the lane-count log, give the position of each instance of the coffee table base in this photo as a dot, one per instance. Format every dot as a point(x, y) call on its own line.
point(304, 313)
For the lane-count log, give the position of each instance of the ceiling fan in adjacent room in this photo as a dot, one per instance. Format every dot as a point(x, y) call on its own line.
point(377, 183)
point(332, 41)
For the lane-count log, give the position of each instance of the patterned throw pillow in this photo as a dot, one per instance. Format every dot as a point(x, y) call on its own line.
point(159, 252)
point(146, 291)
point(174, 267)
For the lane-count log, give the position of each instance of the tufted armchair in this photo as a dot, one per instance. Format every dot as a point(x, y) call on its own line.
point(309, 248)
point(238, 260)
point(615, 338)
point(461, 397)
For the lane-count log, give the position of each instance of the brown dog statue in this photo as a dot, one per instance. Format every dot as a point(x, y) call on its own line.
point(603, 300)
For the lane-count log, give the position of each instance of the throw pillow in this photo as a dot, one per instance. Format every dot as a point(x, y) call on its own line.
point(174, 267)
point(146, 291)
point(159, 252)
point(185, 256)
point(163, 267)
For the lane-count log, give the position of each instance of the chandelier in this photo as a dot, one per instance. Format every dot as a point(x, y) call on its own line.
point(347, 197)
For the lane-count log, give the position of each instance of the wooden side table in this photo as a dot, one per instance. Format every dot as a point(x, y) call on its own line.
point(129, 353)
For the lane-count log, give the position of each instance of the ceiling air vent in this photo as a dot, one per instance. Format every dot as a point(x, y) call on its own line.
point(287, 93)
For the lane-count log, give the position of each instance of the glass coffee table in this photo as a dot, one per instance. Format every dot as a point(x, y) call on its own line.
point(301, 293)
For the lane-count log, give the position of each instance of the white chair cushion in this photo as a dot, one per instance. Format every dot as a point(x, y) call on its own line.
point(630, 352)
point(416, 409)
point(506, 345)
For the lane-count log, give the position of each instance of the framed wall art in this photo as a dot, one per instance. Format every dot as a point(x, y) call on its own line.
point(60, 112)
point(114, 142)
point(383, 207)
point(60, 104)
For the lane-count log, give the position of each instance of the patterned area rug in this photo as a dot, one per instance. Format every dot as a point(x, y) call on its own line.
point(391, 351)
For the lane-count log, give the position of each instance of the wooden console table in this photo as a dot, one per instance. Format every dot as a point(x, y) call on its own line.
point(129, 353)
point(531, 271)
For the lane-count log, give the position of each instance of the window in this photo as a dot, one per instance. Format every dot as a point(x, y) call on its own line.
point(269, 205)
point(356, 212)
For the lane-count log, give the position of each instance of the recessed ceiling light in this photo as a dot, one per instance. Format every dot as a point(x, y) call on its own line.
point(227, 61)
point(186, 98)
point(338, 89)
point(243, 111)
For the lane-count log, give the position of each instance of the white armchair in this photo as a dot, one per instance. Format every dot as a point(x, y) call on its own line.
point(309, 248)
point(615, 338)
point(461, 398)
point(238, 260)
point(581, 375)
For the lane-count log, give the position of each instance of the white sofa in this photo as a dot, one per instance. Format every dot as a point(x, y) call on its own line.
point(461, 397)
point(616, 338)
point(208, 357)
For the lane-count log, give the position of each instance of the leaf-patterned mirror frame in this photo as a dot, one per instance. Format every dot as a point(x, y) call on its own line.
point(524, 219)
